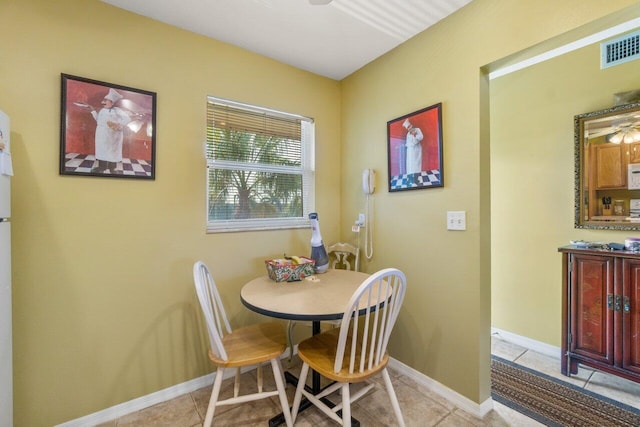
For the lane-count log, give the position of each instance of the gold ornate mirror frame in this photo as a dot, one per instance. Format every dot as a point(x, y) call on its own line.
point(607, 168)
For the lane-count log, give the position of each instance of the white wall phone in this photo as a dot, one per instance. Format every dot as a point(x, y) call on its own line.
point(368, 187)
point(368, 181)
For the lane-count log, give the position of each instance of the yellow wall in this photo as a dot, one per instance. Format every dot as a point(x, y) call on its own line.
point(104, 309)
point(104, 306)
point(532, 176)
point(444, 327)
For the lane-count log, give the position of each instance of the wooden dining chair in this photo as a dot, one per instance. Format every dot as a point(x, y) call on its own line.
point(246, 346)
point(342, 254)
point(357, 350)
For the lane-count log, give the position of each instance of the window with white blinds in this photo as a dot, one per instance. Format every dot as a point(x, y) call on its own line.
point(260, 171)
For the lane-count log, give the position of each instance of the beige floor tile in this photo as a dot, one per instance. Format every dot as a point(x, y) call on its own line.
point(503, 414)
point(460, 418)
point(403, 379)
point(551, 366)
point(455, 419)
point(178, 412)
point(255, 413)
point(313, 417)
point(616, 388)
point(248, 412)
point(417, 405)
point(505, 349)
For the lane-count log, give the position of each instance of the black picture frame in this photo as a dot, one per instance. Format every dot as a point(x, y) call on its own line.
point(106, 129)
point(414, 150)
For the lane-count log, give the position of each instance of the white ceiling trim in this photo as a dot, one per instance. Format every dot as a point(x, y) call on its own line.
point(570, 47)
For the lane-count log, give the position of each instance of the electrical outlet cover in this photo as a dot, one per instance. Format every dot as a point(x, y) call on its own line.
point(456, 220)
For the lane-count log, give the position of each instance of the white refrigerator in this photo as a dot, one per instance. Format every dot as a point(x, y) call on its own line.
point(6, 358)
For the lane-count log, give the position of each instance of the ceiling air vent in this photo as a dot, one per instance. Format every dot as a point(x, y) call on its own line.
point(620, 50)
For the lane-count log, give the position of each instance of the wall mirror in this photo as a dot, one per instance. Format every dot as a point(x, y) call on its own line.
point(607, 178)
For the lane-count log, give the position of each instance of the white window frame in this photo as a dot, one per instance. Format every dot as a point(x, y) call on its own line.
point(306, 170)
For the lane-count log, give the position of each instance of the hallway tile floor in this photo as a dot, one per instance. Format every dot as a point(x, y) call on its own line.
point(420, 406)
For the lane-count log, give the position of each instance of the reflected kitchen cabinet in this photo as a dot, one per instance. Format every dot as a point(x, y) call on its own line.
point(611, 163)
point(610, 166)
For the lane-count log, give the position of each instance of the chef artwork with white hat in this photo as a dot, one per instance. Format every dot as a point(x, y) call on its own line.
point(113, 96)
point(414, 150)
point(111, 122)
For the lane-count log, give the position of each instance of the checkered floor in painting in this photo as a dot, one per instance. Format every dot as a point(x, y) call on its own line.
point(416, 180)
point(83, 163)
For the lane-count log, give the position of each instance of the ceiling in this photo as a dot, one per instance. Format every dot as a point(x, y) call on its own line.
point(332, 40)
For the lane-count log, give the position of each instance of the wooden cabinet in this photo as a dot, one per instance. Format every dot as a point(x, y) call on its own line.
point(601, 311)
point(633, 152)
point(610, 162)
point(610, 166)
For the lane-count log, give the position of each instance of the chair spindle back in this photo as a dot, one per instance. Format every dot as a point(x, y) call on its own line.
point(212, 308)
point(369, 319)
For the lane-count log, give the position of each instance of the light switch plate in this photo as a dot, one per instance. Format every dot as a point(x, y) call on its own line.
point(456, 220)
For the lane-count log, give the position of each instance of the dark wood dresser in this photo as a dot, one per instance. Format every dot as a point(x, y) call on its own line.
point(601, 311)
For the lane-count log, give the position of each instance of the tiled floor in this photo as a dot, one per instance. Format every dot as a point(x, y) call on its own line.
point(420, 406)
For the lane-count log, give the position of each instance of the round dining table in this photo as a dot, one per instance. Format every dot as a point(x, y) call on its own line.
point(315, 298)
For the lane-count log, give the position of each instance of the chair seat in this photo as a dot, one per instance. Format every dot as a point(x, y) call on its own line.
point(252, 344)
point(319, 352)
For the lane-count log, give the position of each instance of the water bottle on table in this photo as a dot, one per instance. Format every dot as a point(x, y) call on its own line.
point(318, 251)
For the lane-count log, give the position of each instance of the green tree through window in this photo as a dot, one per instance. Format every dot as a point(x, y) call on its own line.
point(260, 173)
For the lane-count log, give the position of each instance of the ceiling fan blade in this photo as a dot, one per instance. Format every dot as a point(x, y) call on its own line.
point(600, 132)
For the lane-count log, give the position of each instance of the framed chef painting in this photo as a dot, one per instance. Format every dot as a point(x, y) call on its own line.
point(106, 130)
point(414, 149)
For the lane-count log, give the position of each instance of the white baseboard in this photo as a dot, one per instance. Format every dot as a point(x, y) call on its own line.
point(460, 401)
point(528, 343)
